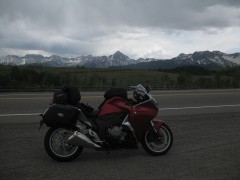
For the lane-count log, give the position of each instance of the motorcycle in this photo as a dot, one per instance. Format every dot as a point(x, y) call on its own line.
point(118, 123)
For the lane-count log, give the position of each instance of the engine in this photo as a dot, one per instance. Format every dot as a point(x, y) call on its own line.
point(120, 135)
point(116, 132)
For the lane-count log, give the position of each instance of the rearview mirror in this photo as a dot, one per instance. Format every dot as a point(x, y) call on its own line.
point(148, 89)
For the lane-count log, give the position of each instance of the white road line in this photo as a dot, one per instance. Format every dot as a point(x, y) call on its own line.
point(31, 114)
point(199, 107)
point(15, 94)
point(160, 109)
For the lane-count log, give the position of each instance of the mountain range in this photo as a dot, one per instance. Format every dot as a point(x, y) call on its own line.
point(208, 59)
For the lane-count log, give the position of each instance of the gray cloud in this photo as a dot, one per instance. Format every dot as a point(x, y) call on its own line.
point(84, 14)
point(84, 27)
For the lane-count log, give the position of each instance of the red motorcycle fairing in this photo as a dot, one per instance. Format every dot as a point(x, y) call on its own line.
point(112, 113)
point(115, 105)
point(157, 123)
point(140, 117)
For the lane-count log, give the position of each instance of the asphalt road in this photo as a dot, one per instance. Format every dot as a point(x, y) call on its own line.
point(205, 125)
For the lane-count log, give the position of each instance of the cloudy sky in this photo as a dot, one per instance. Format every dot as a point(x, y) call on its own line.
point(138, 28)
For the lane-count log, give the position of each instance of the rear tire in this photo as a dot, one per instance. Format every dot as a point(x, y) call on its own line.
point(56, 146)
point(157, 144)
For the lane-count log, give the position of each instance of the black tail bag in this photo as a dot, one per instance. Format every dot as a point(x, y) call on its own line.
point(67, 95)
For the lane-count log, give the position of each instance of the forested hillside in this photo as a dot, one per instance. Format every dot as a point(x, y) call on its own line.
point(43, 78)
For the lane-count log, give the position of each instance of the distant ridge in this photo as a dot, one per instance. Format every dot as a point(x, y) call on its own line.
point(206, 59)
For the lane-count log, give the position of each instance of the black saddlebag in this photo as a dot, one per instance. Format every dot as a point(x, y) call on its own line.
point(59, 115)
point(115, 92)
point(67, 95)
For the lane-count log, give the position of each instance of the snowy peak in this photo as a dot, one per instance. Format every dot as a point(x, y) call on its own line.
point(117, 59)
point(118, 56)
point(207, 58)
point(235, 58)
point(11, 60)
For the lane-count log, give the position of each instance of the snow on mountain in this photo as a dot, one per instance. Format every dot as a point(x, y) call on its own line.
point(12, 60)
point(205, 58)
point(235, 58)
point(199, 58)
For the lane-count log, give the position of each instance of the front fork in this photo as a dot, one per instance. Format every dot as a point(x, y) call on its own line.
point(156, 125)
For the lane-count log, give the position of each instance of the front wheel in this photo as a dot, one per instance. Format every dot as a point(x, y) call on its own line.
point(56, 146)
point(157, 143)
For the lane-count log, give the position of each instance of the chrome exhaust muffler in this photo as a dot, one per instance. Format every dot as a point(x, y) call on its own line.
point(80, 139)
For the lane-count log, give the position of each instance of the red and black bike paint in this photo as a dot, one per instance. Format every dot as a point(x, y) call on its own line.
point(118, 123)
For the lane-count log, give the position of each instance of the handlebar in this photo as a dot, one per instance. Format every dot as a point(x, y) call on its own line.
point(141, 88)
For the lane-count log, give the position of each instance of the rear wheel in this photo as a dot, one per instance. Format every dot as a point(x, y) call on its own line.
point(56, 146)
point(157, 143)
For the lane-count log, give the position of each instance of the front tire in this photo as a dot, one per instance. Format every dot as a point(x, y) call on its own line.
point(56, 146)
point(157, 143)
